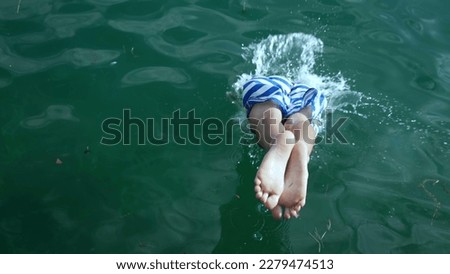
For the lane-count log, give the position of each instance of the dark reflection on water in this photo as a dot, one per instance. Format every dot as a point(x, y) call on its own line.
point(247, 227)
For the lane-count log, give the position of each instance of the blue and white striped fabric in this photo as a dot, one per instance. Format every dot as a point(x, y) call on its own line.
point(302, 96)
point(290, 97)
point(263, 89)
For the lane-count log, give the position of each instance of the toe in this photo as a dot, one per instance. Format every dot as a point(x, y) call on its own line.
point(272, 201)
point(277, 212)
point(264, 198)
point(257, 180)
point(258, 189)
point(294, 213)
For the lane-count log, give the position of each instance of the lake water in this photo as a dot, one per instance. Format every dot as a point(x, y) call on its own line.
point(67, 66)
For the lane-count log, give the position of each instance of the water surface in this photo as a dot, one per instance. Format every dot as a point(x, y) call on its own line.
point(66, 66)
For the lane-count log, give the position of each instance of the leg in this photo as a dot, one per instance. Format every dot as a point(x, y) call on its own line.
point(265, 120)
point(293, 197)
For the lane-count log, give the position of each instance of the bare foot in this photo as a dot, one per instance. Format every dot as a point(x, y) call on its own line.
point(269, 180)
point(293, 197)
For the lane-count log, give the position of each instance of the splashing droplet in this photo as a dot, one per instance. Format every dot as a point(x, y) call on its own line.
point(258, 236)
point(262, 209)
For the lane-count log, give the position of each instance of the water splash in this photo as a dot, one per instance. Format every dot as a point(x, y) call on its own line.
point(294, 56)
point(257, 236)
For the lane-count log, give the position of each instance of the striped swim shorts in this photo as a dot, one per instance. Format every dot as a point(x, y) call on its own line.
point(290, 97)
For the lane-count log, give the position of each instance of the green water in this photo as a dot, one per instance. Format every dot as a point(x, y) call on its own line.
point(66, 66)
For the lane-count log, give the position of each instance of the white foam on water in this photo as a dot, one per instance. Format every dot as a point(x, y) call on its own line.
point(294, 56)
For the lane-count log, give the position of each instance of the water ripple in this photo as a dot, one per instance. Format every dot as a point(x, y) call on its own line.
point(106, 2)
point(155, 74)
point(385, 36)
point(185, 34)
point(78, 57)
point(182, 35)
point(18, 64)
point(387, 239)
point(5, 78)
point(9, 10)
point(443, 68)
point(89, 57)
point(65, 25)
point(51, 114)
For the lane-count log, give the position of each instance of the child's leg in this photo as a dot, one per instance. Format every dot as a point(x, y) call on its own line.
point(265, 120)
point(306, 103)
point(293, 197)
